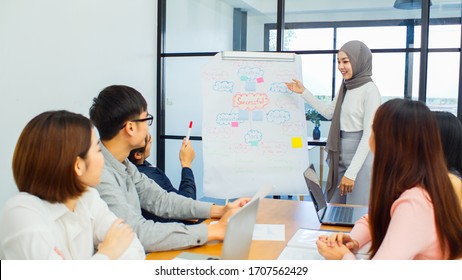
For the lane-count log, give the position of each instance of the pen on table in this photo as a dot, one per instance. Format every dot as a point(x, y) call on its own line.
point(189, 132)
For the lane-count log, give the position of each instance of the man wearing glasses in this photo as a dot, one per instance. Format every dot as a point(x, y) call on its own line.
point(120, 115)
point(187, 186)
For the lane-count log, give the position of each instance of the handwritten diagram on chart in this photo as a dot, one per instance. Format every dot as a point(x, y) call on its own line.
point(254, 128)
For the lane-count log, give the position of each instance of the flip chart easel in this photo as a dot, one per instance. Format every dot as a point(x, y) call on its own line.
point(254, 128)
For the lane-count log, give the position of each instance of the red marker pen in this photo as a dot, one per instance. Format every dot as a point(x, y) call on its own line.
point(189, 131)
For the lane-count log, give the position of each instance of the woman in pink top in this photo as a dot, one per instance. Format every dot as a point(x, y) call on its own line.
point(413, 210)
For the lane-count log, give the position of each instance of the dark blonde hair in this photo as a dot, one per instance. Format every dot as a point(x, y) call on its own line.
point(45, 154)
point(408, 153)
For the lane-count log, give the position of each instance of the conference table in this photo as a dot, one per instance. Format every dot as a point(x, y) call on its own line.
point(293, 214)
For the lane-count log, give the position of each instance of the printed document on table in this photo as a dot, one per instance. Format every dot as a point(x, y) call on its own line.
point(269, 232)
point(302, 246)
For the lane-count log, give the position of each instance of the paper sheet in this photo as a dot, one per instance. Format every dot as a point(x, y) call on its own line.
point(269, 232)
point(253, 128)
point(302, 246)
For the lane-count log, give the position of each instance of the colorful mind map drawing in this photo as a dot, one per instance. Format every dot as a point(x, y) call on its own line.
point(254, 128)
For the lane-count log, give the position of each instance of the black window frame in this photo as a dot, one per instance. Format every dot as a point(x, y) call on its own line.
point(425, 21)
point(410, 25)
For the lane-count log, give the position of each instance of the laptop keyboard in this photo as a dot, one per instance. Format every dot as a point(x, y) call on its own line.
point(341, 214)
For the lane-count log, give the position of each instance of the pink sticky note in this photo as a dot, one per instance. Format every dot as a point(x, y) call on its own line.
point(234, 124)
point(260, 80)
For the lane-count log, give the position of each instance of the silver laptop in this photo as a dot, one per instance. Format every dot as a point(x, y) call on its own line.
point(328, 214)
point(238, 236)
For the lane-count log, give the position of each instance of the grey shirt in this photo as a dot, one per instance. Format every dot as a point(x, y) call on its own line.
point(126, 191)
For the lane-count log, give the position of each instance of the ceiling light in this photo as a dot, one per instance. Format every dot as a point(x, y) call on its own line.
point(408, 4)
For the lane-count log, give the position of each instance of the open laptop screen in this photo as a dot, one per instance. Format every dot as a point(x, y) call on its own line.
point(312, 182)
point(239, 232)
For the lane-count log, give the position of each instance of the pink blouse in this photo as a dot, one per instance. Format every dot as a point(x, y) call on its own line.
point(411, 234)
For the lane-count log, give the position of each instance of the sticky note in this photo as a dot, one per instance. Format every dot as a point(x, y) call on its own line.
point(260, 80)
point(243, 115)
point(297, 142)
point(257, 116)
point(234, 124)
point(244, 78)
point(250, 85)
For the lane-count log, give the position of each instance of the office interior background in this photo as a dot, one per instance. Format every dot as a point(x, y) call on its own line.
point(58, 54)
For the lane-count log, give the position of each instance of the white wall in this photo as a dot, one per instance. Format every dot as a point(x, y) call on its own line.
point(58, 54)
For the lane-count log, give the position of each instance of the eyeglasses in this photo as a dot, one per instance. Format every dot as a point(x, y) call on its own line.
point(149, 118)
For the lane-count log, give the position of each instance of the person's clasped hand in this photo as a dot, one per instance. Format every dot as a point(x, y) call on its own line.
point(335, 247)
point(331, 252)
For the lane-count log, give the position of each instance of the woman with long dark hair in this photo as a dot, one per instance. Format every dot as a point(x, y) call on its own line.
point(413, 210)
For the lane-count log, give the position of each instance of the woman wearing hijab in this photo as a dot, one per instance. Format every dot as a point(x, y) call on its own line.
point(352, 112)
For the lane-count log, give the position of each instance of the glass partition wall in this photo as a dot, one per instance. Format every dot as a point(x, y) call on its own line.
point(416, 53)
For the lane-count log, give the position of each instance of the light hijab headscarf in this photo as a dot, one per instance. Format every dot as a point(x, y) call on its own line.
point(360, 57)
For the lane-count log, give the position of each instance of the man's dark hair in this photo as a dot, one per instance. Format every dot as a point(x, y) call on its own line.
point(131, 156)
point(114, 106)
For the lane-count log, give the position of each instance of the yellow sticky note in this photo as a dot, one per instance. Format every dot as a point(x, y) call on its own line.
point(297, 142)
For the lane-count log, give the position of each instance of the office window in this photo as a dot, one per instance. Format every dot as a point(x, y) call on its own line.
point(304, 39)
point(317, 74)
point(388, 74)
point(375, 37)
point(216, 25)
point(193, 26)
point(183, 98)
point(444, 36)
point(444, 30)
point(393, 35)
point(443, 81)
point(194, 30)
point(414, 94)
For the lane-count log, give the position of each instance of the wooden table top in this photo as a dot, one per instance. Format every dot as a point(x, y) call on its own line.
point(293, 214)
